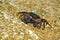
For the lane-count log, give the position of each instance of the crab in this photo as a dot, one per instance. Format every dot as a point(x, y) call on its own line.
point(33, 18)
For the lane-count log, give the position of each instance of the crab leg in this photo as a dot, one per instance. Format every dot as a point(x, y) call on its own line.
point(43, 25)
point(48, 24)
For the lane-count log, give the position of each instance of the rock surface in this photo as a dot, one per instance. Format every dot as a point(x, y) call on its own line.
point(12, 28)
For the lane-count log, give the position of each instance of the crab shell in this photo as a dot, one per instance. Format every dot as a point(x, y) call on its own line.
point(37, 21)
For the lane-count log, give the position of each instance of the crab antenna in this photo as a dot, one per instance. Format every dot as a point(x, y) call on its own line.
point(22, 12)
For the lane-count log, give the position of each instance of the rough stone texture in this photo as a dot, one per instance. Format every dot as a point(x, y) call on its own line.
point(12, 28)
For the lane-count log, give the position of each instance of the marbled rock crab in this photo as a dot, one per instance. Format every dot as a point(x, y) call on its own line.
point(33, 18)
